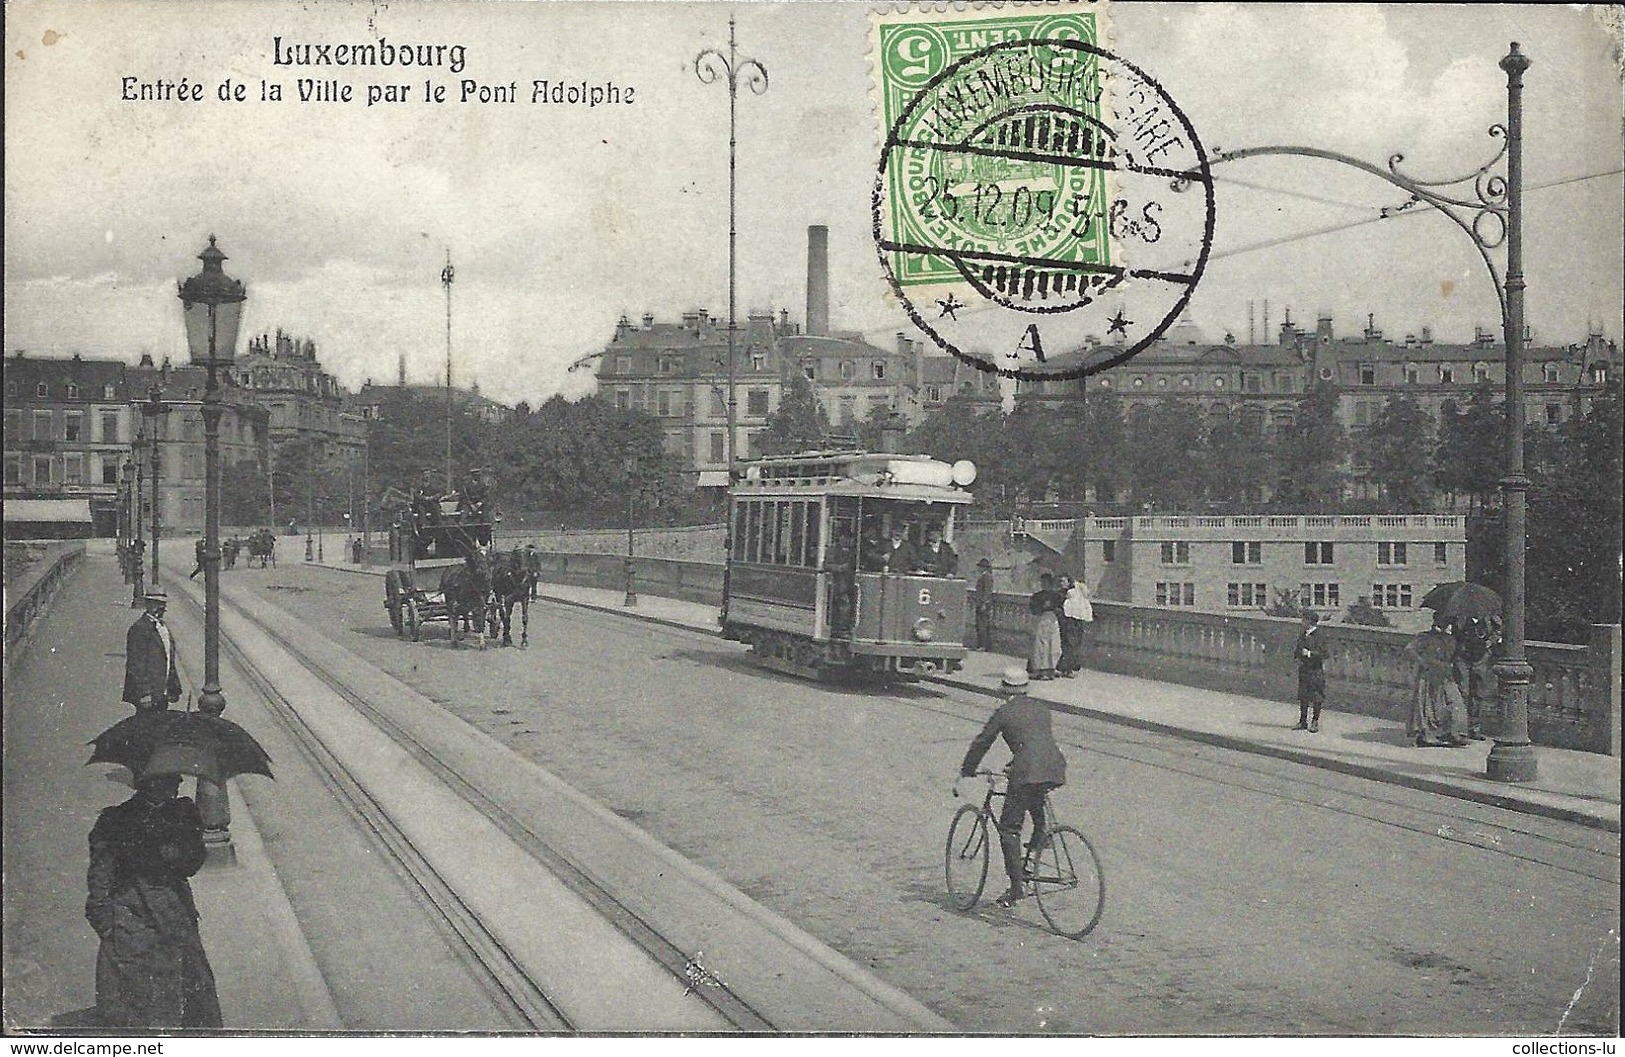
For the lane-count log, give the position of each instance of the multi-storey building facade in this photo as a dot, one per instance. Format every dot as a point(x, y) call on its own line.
point(1233, 564)
point(1264, 382)
point(305, 402)
point(68, 428)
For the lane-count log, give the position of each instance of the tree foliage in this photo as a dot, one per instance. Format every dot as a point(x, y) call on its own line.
point(1399, 448)
point(799, 424)
point(1309, 454)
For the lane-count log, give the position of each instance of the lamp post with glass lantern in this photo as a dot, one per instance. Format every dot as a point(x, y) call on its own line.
point(212, 305)
point(631, 467)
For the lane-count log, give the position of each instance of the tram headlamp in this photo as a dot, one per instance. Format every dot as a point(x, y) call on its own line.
point(925, 629)
point(964, 473)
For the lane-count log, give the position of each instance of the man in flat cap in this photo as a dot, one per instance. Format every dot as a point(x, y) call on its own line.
point(1037, 768)
point(984, 605)
point(151, 680)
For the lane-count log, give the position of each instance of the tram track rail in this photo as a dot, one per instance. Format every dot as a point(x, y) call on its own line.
point(526, 1001)
point(1566, 847)
point(792, 982)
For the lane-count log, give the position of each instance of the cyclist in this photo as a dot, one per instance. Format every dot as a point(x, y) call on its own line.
point(1037, 768)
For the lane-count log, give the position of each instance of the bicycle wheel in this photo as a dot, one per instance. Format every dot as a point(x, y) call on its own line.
point(1069, 882)
point(967, 857)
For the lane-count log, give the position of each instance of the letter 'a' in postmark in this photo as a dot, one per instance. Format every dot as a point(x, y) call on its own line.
point(1024, 206)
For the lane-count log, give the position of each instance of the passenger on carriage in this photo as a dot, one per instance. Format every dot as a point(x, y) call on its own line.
point(474, 494)
point(425, 503)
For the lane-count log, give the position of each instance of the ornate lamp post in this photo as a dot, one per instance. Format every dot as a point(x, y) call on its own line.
point(1489, 209)
point(212, 305)
point(712, 66)
point(153, 413)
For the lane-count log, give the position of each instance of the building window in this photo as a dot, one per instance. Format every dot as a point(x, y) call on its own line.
point(1105, 383)
point(1108, 550)
point(1391, 554)
point(848, 370)
point(73, 391)
point(1162, 383)
point(758, 361)
point(109, 391)
point(1549, 372)
point(1441, 554)
point(756, 403)
point(879, 369)
point(40, 390)
point(1554, 414)
point(109, 427)
point(1176, 594)
point(933, 394)
point(848, 403)
point(719, 407)
point(1250, 383)
point(623, 365)
point(1318, 552)
point(1368, 374)
point(14, 469)
point(1176, 553)
point(1246, 596)
point(42, 469)
point(663, 402)
point(1413, 374)
point(1139, 381)
point(1250, 552)
point(716, 446)
point(623, 400)
point(42, 425)
point(1599, 373)
point(109, 469)
point(1447, 374)
point(1186, 382)
point(1391, 596)
point(72, 422)
point(1362, 412)
point(14, 424)
point(1481, 371)
point(1325, 374)
point(1319, 596)
point(1218, 381)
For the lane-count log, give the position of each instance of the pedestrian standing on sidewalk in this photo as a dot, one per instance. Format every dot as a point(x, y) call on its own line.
point(1076, 615)
point(202, 546)
point(151, 970)
point(1045, 604)
point(1311, 654)
point(984, 605)
point(152, 681)
point(1475, 638)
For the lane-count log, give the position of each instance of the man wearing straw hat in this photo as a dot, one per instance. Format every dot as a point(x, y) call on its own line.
point(151, 679)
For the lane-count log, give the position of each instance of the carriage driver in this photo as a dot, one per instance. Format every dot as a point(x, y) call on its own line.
point(425, 502)
point(474, 493)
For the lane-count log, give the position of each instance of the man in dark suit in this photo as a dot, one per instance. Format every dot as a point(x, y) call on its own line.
point(936, 557)
point(898, 554)
point(151, 679)
point(1037, 768)
point(1311, 673)
point(984, 605)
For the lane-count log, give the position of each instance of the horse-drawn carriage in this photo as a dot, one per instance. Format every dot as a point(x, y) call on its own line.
point(447, 573)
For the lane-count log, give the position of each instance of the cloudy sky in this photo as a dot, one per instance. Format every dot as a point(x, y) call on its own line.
point(560, 218)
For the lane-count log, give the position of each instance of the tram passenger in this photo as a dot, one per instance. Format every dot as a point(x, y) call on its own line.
point(936, 557)
point(898, 554)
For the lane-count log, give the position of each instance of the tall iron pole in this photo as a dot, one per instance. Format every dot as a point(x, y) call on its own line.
point(1512, 759)
point(710, 66)
point(447, 274)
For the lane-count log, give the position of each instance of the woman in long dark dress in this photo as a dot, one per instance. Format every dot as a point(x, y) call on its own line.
point(1438, 715)
point(151, 971)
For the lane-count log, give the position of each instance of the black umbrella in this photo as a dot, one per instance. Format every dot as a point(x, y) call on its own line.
point(169, 742)
point(1462, 600)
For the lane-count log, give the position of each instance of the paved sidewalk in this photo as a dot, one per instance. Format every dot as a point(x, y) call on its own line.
point(1580, 787)
point(62, 692)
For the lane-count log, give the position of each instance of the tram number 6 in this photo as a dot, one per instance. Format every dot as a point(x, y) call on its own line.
point(925, 596)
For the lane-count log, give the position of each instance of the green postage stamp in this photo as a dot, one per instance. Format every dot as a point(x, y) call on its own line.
point(1041, 207)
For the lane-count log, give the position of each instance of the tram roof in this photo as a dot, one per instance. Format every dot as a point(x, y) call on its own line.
point(871, 475)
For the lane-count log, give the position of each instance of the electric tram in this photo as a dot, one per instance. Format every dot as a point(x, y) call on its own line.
point(811, 584)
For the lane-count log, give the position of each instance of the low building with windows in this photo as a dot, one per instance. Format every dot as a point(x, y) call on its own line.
point(1246, 564)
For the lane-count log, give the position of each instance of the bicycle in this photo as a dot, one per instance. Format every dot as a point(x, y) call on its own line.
point(1061, 868)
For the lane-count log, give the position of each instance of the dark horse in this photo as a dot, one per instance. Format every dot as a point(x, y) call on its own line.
point(511, 582)
point(467, 591)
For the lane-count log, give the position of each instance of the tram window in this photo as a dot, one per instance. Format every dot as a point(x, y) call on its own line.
point(769, 531)
point(753, 537)
point(783, 545)
point(797, 514)
point(813, 517)
point(739, 531)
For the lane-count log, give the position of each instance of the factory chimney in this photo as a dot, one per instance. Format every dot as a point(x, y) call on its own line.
point(818, 280)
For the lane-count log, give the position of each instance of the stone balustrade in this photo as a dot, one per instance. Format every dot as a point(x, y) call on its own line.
point(1574, 695)
point(37, 581)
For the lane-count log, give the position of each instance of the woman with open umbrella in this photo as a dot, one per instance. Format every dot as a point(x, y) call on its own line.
point(151, 971)
point(1437, 714)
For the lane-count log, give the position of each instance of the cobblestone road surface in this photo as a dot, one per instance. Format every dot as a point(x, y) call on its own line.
point(1246, 895)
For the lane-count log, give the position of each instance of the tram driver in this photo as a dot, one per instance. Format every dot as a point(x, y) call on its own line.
point(937, 558)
